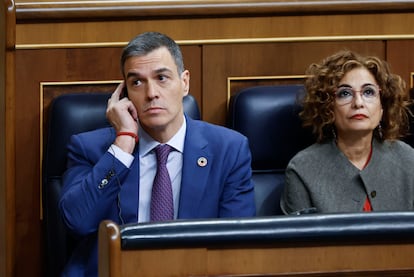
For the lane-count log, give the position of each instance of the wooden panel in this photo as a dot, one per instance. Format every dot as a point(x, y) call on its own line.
point(7, 138)
point(274, 259)
point(165, 262)
point(3, 197)
point(35, 67)
point(211, 29)
point(110, 243)
point(333, 258)
point(401, 58)
point(66, 10)
point(235, 84)
point(221, 62)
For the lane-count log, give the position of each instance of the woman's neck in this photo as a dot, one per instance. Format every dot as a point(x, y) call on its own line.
point(357, 150)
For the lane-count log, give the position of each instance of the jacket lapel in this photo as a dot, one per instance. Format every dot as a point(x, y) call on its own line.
point(197, 160)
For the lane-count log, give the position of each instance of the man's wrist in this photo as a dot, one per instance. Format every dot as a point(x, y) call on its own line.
point(131, 134)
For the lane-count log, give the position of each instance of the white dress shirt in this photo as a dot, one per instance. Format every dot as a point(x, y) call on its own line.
point(148, 167)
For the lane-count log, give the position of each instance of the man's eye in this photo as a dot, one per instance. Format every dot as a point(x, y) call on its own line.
point(162, 77)
point(137, 82)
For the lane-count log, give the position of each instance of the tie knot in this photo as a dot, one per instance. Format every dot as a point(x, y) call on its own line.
point(162, 152)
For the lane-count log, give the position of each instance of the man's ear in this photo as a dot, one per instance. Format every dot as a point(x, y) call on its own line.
point(185, 78)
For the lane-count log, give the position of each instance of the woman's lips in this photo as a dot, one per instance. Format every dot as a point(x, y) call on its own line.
point(359, 116)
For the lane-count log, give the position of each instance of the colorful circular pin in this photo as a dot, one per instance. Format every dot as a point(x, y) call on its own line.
point(202, 161)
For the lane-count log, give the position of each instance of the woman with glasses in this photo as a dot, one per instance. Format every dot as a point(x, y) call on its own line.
point(358, 110)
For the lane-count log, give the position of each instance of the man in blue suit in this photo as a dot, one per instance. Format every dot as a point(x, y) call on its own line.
point(111, 171)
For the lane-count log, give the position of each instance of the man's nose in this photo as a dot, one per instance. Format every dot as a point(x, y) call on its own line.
point(151, 90)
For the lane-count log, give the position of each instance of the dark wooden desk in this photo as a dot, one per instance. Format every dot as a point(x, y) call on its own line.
point(315, 249)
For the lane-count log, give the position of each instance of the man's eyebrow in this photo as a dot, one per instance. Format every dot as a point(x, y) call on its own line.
point(157, 71)
point(132, 74)
point(162, 70)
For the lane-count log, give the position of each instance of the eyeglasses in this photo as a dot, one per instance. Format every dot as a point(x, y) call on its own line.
point(345, 95)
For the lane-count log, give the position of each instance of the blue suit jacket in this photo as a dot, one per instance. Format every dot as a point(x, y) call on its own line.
point(95, 182)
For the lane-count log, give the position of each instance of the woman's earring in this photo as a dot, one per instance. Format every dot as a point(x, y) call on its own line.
point(379, 131)
point(333, 133)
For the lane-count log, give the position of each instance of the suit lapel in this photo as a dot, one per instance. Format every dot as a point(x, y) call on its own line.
point(197, 160)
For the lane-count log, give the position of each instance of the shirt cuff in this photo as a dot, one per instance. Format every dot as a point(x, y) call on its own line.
point(121, 155)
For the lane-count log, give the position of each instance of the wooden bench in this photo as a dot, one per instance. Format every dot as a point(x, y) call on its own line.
point(361, 244)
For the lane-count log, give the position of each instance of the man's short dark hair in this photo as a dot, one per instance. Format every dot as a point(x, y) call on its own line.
point(147, 42)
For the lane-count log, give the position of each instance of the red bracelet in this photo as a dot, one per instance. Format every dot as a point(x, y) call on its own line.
point(135, 136)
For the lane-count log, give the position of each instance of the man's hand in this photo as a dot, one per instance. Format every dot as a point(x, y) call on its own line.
point(122, 115)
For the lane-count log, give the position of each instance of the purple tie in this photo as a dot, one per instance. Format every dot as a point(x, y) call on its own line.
point(162, 207)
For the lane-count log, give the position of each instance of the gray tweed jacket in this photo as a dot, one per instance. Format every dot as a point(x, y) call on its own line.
point(321, 176)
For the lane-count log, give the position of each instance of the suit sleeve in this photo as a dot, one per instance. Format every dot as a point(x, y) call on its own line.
point(90, 185)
